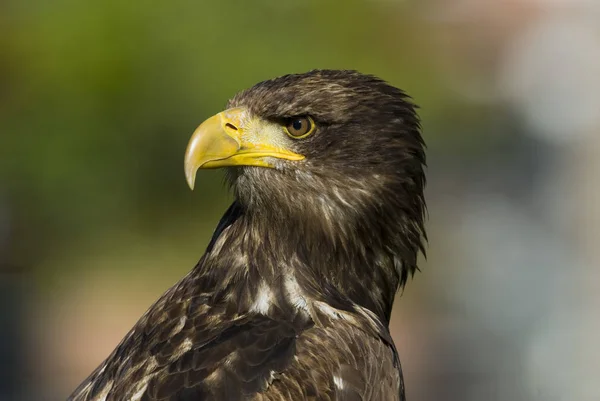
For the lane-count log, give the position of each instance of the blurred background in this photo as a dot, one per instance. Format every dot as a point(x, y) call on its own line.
point(98, 100)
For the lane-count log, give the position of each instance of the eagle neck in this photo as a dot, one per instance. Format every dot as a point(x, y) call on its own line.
point(272, 261)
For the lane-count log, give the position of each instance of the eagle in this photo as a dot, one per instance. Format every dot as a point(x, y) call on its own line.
point(293, 295)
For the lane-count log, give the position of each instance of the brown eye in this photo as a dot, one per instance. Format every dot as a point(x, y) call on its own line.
point(299, 127)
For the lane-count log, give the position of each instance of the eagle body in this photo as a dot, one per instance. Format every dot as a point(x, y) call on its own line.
point(292, 298)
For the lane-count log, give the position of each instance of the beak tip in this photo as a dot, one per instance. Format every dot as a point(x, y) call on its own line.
point(190, 177)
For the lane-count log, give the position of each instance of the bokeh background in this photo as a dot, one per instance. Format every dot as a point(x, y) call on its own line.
point(99, 98)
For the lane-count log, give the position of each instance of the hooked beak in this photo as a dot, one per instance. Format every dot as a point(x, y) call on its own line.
point(221, 141)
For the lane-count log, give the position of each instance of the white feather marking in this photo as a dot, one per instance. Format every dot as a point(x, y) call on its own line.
point(366, 313)
point(339, 195)
point(179, 326)
point(272, 374)
point(328, 310)
point(242, 260)
point(262, 303)
point(184, 347)
point(294, 293)
point(231, 358)
point(339, 383)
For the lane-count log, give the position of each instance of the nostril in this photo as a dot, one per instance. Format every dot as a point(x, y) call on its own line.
point(231, 126)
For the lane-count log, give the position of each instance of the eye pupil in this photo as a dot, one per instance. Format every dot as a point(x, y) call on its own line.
point(297, 124)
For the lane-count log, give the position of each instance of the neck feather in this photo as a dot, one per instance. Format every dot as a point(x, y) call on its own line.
point(274, 262)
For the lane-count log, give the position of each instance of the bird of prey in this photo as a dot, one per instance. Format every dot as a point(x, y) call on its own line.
point(292, 298)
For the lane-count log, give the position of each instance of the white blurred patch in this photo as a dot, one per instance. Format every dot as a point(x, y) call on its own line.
point(564, 359)
point(551, 74)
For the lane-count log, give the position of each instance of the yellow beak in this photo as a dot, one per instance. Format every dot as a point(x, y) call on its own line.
point(223, 141)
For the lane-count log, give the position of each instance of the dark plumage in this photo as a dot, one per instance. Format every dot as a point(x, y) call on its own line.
point(292, 299)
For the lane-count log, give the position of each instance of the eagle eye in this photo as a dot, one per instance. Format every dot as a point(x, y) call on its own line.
point(299, 127)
